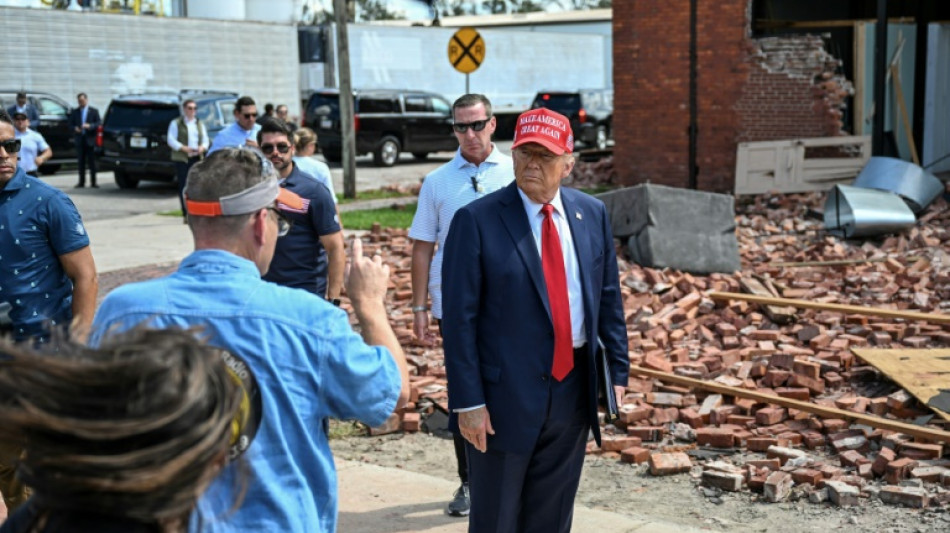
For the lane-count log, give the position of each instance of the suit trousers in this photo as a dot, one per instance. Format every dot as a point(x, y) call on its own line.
point(86, 157)
point(181, 171)
point(534, 492)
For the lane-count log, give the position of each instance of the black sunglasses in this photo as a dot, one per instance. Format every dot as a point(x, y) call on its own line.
point(268, 148)
point(11, 146)
point(250, 115)
point(283, 223)
point(478, 125)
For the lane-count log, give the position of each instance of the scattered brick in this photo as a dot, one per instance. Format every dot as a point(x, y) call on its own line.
point(906, 496)
point(842, 494)
point(778, 486)
point(636, 455)
point(664, 464)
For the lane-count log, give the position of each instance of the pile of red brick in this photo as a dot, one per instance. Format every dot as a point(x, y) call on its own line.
point(675, 328)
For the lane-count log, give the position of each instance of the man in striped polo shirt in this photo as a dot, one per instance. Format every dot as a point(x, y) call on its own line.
point(477, 169)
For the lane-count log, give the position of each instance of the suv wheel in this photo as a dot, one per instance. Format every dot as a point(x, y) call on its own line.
point(124, 180)
point(600, 138)
point(387, 152)
point(420, 156)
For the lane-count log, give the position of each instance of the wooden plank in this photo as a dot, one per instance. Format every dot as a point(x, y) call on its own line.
point(905, 118)
point(923, 373)
point(821, 410)
point(841, 308)
point(860, 69)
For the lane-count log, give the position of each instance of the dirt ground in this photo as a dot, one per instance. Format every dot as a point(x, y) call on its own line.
point(611, 485)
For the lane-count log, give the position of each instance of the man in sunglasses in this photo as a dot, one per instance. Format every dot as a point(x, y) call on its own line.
point(309, 363)
point(477, 169)
point(311, 256)
point(188, 140)
point(47, 273)
point(241, 132)
point(34, 151)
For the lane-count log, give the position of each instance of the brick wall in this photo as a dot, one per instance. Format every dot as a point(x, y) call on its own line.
point(747, 90)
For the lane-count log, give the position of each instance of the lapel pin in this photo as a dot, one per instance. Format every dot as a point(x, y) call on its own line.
point(578, 215)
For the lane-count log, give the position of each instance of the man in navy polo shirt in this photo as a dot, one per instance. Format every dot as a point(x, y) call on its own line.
point(311, 256)
point(47, 273)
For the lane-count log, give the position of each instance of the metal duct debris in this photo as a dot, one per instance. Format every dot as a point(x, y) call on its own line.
point(857, 212)
point(915, 185)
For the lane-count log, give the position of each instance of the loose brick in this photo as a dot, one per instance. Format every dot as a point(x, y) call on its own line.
point(795, 393)
point(761, 444)
point(785, 454)
point(715, 437)
point(899, 400)
point(906, 496)
point(411, 422)
point(842, 494)
point(691, 418)
point(920, 451)
point(664, 464)
point(807, 368)
point(853, 458)
point(667, 399)
point(645, 433)
point(807, 475)
point(768, 464)
point(770, 415)
point(723, 480)
point(778, 486)
point(635, 455)
point(634, 413)
point(884, 457)
point(391, 425)
point(898, 470)
point(616, 443)
point(815, 385)
point(928, 473)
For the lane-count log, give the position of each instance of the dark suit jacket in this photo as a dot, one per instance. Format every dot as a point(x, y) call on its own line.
point(497, 328)
point(30, 111)
point(75, 120)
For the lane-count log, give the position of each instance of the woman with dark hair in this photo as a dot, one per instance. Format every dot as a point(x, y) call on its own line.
point(125, 437)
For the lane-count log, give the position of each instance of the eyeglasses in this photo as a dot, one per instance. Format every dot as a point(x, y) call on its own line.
point(11, 146)
point(283, 223)
point(268, 148)
point(478, 125)
point(250, 115)
point(545, 157)
point(191, 107)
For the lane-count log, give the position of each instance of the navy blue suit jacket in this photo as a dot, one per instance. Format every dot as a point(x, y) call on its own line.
point(75, 121)
point(497, 328)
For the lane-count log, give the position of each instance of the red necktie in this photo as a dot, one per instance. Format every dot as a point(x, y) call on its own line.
point(552, 260)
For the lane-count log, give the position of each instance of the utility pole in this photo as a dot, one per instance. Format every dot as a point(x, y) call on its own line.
point(346, 100)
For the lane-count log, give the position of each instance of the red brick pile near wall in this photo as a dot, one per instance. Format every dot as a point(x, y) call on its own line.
point(747, 90)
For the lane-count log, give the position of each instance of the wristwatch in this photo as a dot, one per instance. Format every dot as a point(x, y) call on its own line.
point(335, 301)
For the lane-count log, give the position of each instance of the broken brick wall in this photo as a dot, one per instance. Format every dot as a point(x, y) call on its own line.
point(748, 90)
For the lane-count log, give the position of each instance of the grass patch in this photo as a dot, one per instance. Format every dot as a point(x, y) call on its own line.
point(174, 213)
point(375, 194)
point(341, 429)
point(387, 217)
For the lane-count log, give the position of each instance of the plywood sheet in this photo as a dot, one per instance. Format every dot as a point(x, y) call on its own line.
point(923, 373)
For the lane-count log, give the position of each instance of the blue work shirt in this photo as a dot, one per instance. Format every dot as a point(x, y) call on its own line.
point(233, 136)
point(32, 144)
point(309, 365)
point(300, 260)
point(38, 223)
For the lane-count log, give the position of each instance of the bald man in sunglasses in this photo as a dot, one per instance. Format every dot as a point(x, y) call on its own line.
point(477, 169)
point(311, 255)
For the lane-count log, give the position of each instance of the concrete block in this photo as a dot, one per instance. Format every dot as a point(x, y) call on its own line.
point(677, 228)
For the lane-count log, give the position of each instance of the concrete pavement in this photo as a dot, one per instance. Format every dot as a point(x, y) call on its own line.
point(372, 498)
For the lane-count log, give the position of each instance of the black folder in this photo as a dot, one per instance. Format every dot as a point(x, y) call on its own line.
point(605, 385)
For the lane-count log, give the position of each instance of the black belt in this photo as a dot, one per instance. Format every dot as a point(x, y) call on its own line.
point(580, 352)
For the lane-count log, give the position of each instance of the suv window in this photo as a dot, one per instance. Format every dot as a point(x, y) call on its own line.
point(215, 115)
point(51, 107)
point(151, 116)
point(441, 106)
point(375, 105)
point(566, 104)
point(417, 104)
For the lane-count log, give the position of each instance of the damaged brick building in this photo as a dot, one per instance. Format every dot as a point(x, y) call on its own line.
point(751, 83)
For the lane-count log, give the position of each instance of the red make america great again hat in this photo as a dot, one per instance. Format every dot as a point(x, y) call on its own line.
point(548, 128)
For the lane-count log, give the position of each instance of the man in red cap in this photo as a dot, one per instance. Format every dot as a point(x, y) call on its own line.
point(530, 288)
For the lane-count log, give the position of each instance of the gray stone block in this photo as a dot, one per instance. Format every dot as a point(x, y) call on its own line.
point(666, 227)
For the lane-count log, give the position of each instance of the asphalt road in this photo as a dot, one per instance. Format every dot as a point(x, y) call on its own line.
point(111, 202)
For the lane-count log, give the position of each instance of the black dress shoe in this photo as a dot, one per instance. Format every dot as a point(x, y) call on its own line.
point(94, 186)
point(79, 185)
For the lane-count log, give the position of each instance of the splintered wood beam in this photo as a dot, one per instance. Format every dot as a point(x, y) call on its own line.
point(933, 318)
point(821, 410)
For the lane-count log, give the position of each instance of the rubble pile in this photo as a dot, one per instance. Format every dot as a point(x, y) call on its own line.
point(732, 443)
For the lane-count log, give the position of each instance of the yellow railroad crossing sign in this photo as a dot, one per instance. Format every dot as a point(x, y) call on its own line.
point(466, 50)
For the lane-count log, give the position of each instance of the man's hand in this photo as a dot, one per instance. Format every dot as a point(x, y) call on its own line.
point(420, 326)
point(475, 426)
point(365, 279)
point(619, 391)
point(251, 143)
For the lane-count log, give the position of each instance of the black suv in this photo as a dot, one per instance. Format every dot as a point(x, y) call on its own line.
point(591, 112)
point(133, 137)
point(53, 126)
point(387, 123)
